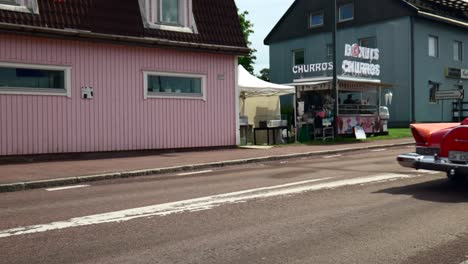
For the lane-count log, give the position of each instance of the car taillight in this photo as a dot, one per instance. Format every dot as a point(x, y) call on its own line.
point(419, 139)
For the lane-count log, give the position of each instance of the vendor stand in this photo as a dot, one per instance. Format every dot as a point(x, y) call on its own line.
point(260, 109)
point(359, 105)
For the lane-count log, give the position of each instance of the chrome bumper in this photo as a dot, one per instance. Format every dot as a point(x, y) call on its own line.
point(420, 162)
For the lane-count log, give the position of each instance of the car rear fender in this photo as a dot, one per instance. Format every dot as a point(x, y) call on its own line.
point(455, 140)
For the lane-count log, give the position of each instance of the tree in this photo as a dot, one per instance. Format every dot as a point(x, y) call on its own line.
point(265, 74)
point(247, 28)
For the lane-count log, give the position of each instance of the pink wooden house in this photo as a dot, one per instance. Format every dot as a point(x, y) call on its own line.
point(118, 75)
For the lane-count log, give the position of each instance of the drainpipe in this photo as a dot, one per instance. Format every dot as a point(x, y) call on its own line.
point(413, 88)
point(335, 79)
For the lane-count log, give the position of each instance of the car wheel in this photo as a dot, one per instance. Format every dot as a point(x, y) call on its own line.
point(456, 177)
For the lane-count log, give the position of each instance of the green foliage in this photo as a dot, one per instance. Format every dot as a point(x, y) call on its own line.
point(265, 75)
point(247, 28)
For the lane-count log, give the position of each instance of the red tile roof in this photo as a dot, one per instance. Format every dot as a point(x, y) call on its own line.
point(216, 20)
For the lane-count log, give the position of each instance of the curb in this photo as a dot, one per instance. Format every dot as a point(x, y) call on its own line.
point(22, 186)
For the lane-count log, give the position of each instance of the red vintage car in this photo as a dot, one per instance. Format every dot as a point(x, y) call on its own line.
point(440, 147)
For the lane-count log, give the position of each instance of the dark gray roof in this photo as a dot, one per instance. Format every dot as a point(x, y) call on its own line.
point(217, 21)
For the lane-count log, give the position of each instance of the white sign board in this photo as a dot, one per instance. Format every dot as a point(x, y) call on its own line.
point(364, 67)
point(359, 132)
point(450, 95)
point(464, 73)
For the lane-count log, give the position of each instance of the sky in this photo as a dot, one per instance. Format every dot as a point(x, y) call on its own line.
point(264, 14)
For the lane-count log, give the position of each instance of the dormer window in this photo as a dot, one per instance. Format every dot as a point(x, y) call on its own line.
point(170, 12)
point(173, 15)
point(27, 6)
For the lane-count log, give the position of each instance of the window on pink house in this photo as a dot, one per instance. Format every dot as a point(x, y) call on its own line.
point(174, 85)
point(34, 79)
point(170, 12)
point(28, 6)
point(173, 15)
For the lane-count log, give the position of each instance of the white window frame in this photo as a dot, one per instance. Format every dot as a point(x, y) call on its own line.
point(160, 95)
point(39, 91)
point(320, 13)
point(436, 46)
point(339, 12)
point(460, 51)
point(186, 21)
point(22, 8)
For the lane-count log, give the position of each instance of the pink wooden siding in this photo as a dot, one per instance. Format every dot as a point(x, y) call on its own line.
point(118, 118)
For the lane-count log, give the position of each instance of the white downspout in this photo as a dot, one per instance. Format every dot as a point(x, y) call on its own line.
point(236, 67)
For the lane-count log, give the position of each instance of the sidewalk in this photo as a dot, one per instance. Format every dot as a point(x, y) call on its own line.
point(70, 172)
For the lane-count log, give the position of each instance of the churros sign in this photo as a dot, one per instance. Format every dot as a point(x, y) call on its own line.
point(361, 68)
point(366, 65)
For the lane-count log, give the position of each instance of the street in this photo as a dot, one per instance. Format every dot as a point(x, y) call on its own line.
point(358, 207)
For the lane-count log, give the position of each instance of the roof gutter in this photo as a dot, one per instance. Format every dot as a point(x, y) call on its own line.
point(411, 5)
point(128, 39)
point(452, 21)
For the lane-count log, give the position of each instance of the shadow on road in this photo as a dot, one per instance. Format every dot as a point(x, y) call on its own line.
point(442, 191)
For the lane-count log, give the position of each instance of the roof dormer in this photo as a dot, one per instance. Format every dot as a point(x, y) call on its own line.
point(27, 6)
point(172, 15)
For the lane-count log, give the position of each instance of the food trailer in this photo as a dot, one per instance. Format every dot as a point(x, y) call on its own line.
point(359, 96)
point(359, 105)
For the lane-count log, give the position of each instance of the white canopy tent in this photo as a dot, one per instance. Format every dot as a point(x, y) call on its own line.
point(251, 86)
point(262, 99)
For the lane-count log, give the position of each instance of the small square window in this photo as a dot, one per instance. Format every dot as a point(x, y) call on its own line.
point(298, 57)
point(368, 42)
point(346, 12)
point(316, 20)
point(170, 11)
point(433, 46)
point(458, 51)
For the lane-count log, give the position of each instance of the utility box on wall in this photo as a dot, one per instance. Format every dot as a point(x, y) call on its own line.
point(87, 92)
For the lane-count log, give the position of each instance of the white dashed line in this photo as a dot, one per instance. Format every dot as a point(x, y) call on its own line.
point(332, 156)
point(378, 150)
point(66, 188)
point(197, 204)
point(194, 172)
point(429, 171)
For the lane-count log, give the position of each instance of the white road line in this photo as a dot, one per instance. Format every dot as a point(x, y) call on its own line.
point(429, 171)
point(332, 156)
point(66, 188)
point(194, 172)
point(378, 150)
point(204, 203)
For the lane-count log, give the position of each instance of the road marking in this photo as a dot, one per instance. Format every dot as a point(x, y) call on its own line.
point(332, 156)
point(194, 172)
point(378, 150)
point(66, 188)
point(203, 203)
point(429, 171)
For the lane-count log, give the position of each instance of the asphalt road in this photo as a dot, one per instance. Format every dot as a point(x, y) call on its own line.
point(356, 208)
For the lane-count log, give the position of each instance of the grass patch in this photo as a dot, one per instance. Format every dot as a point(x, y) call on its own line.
point(393, 133)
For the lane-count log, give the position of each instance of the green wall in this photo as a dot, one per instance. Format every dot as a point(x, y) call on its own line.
point(433, 69)
point(393, 40)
